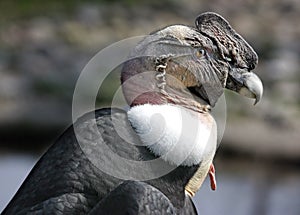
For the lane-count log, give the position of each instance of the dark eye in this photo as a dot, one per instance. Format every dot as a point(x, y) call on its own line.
point(200, 53)
point(251, 66)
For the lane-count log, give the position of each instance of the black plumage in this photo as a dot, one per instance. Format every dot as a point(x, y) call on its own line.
point(65, 181)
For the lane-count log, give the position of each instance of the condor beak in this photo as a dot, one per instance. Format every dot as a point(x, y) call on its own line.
point(245, 83)
point(252, 86)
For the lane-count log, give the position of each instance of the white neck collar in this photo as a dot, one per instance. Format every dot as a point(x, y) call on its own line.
point(176, 134)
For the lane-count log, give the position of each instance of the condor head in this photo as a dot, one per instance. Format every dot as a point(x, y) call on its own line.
point(195, 64)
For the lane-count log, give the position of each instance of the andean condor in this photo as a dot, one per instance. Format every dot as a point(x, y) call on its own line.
point(189, 69)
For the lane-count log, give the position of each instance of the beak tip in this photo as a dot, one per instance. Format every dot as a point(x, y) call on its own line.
point(254, 87)
point(257, 98)
point(255, 102)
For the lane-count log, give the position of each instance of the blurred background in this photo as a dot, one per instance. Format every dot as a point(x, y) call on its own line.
point(45, 45)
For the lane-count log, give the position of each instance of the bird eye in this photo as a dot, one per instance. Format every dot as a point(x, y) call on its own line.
point(251, 67)
point(200, 53)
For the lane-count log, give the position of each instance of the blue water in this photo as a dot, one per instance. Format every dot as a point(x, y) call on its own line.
point(13, 170)
point(244, 190)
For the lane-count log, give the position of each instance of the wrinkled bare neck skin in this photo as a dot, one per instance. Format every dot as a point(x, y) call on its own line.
point(183, 70)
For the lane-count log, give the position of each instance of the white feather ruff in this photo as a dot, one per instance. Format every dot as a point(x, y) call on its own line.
point(176, 134)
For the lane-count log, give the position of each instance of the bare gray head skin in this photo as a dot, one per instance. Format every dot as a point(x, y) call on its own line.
point(204, 60)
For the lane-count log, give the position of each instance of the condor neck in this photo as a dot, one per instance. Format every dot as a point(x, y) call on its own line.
point(141, 88)
point(153, 98)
